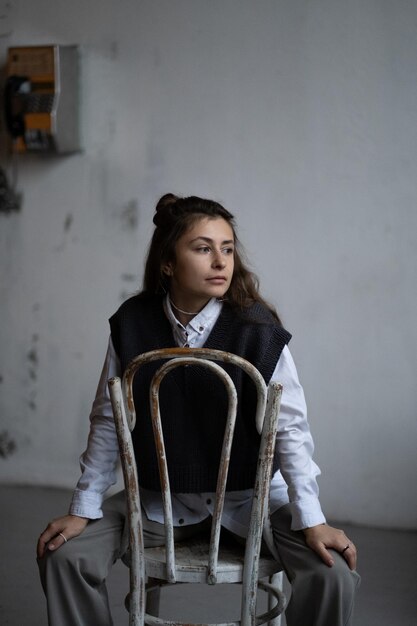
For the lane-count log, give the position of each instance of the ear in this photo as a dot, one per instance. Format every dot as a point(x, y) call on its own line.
point(167, 269)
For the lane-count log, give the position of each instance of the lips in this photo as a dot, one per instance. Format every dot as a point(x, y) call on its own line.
point(217, 279)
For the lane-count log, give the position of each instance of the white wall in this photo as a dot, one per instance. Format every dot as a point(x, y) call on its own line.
point(301, 118)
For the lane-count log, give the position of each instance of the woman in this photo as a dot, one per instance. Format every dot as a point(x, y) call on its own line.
point(197, 292)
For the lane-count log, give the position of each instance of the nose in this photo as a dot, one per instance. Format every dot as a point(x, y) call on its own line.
point(218, 260)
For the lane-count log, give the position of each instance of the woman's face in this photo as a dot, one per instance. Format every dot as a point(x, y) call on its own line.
point(204, 263)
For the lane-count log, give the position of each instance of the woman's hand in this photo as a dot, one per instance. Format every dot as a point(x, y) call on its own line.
point(59, 531)
point(321, 538)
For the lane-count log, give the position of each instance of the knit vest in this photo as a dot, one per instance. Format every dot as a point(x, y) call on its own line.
point(193, 400)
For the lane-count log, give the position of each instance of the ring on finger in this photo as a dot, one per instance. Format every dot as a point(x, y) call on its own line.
point(344, 549)
point(66, 540)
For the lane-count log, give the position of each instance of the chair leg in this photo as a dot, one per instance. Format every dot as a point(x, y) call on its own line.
point(277, 580)
point(153, 596)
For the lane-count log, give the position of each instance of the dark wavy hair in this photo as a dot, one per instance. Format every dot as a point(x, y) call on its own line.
point(173, 217)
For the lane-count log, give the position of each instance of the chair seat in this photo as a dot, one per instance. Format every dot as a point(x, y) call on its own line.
point(191, 563)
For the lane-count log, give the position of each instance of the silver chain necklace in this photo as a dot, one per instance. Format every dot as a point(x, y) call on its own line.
point(181, 311)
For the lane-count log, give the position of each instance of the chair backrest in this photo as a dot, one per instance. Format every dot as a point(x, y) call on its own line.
point(268, 400)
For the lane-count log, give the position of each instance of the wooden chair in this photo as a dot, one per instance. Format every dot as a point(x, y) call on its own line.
point(196, 561)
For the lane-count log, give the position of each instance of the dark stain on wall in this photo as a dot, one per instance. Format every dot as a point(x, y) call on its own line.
point(68, 222)
point(128, 277)
point(33, 363)
point(10, 200)
point(127, 293)
point(130, 215)
point(7, 444)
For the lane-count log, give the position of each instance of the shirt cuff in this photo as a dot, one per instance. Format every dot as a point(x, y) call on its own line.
point(86, 504)
point(306, 513)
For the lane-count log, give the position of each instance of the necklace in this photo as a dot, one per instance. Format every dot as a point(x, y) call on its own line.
point(181, 311)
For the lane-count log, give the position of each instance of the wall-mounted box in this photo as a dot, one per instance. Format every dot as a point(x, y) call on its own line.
point(42, 99)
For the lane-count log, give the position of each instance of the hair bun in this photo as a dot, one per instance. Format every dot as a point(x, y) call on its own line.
point(165, 209)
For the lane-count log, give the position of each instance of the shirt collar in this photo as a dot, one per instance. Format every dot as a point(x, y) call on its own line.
point(206, 318)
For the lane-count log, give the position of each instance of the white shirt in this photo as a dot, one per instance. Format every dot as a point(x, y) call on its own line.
point(295, 483)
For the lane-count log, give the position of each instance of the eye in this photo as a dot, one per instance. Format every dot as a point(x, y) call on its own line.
point(203, 249)
point(228, 250)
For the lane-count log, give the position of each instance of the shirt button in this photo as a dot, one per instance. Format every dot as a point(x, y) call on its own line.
point(181, 521)
point(201, 328)
point(208, 501)
point(187, 345)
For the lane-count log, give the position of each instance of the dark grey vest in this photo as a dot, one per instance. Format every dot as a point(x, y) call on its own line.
point(193, 400)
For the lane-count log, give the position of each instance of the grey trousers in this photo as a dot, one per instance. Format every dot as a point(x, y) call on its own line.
point(74, 577)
